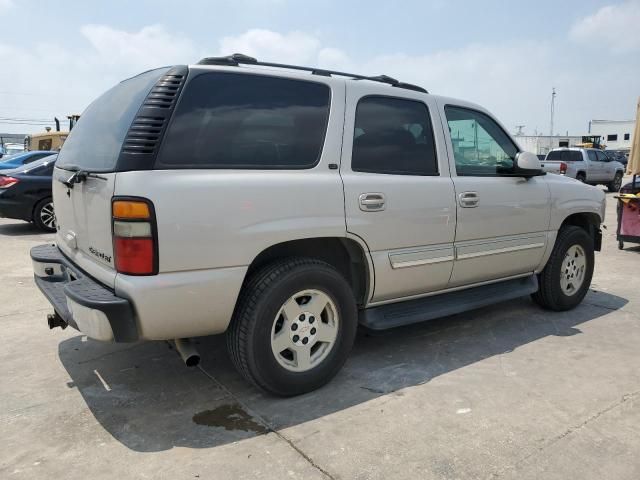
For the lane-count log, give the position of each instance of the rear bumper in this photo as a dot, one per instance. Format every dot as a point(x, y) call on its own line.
point(82, 302)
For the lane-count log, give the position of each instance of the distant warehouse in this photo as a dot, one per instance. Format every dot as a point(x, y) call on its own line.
point(541, 144)
point(616, 134)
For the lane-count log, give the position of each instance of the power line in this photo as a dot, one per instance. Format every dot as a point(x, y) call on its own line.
point(27, 119)
point(26, 123)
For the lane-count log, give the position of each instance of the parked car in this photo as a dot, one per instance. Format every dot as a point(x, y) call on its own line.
point(17, 160)
point(284, 207)
point(588, 165)
point(25, 193)
point(617, 156)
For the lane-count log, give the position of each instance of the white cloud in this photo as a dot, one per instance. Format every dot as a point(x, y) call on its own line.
point(292, 47)
point(5, 5)
point(616, 27)
point(48, 80)
point(151, 46)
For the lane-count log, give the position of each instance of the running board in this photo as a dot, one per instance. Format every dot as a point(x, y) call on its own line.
point(437, 306)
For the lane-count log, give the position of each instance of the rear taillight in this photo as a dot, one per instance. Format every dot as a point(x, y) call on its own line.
point(135, 243)
point(563, 167)
point(6, 181)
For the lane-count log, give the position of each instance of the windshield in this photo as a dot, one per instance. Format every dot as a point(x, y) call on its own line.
point(95, 142)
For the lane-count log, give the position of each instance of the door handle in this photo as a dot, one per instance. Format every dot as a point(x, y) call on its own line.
point(371, 202)
point(468, 199)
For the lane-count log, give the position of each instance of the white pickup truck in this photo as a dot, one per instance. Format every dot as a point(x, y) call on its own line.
point(589, 165)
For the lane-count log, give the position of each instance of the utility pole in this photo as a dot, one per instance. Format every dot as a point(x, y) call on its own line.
point(553, 107)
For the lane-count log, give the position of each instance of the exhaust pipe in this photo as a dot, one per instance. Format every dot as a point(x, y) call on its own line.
point(54, 320)
point(187, 350)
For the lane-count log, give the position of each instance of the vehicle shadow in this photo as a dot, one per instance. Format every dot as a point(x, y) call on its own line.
point(146, 398)
point(19, 229)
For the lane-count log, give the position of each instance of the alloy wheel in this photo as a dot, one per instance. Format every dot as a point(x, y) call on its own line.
point(574, 266)
point(305, 330)
point(48, 215)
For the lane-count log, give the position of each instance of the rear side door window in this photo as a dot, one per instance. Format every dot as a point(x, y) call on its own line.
point(239, 121)
point(393, 136)
point(592, 155)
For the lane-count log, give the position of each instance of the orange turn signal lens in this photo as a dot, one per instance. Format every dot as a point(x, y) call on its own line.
point(131, 209)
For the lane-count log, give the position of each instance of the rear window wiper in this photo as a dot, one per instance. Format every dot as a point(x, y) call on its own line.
point(79, 176)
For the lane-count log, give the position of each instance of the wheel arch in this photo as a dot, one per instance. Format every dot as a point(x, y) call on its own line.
point(588, 221)
point(347, 255)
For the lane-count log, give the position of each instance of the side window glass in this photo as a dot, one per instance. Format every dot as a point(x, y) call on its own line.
point(33, 158)
point(480, 146)
point(240, 121)
point(602, 157)
point(393, 136)
point(592, 155)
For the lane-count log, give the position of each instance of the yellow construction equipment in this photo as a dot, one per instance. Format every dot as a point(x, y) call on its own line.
point(50, 140)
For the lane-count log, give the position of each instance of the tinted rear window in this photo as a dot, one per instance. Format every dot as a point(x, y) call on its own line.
point(228, 120)
point(94, 143)
point(565, 155)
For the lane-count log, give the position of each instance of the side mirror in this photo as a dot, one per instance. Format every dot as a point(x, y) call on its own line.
point(528, 165)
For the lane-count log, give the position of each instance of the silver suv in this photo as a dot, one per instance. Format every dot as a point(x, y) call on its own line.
point(284, 206)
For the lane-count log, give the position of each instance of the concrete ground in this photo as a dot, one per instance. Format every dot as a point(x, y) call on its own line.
point(508, 392)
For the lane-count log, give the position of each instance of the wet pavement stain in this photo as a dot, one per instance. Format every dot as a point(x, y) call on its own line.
point(230, 417)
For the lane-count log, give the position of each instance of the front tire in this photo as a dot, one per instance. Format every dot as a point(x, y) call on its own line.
point(566, 278)
point(293, 327)
point(44, 217)
point(614, 186)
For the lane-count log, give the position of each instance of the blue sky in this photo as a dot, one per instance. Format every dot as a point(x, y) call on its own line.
point(505, 55)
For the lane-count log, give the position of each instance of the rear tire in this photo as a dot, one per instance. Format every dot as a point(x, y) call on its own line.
point(44, 216)
point(566, 278)
point(581, 177)
point(293, 327)
point(614, 186)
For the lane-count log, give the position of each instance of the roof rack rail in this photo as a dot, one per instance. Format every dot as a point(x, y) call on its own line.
point(238, 59)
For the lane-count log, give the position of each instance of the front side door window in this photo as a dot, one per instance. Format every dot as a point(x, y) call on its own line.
point(480, 146)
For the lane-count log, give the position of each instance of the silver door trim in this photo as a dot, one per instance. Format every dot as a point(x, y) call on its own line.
point(495, 251)
point(424, 256)
point(426, 261)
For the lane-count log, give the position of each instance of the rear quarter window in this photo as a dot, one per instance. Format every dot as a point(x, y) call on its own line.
point(95, 142)
point(239, 121)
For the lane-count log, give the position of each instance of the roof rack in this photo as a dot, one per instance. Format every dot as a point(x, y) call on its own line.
point(238, 58)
